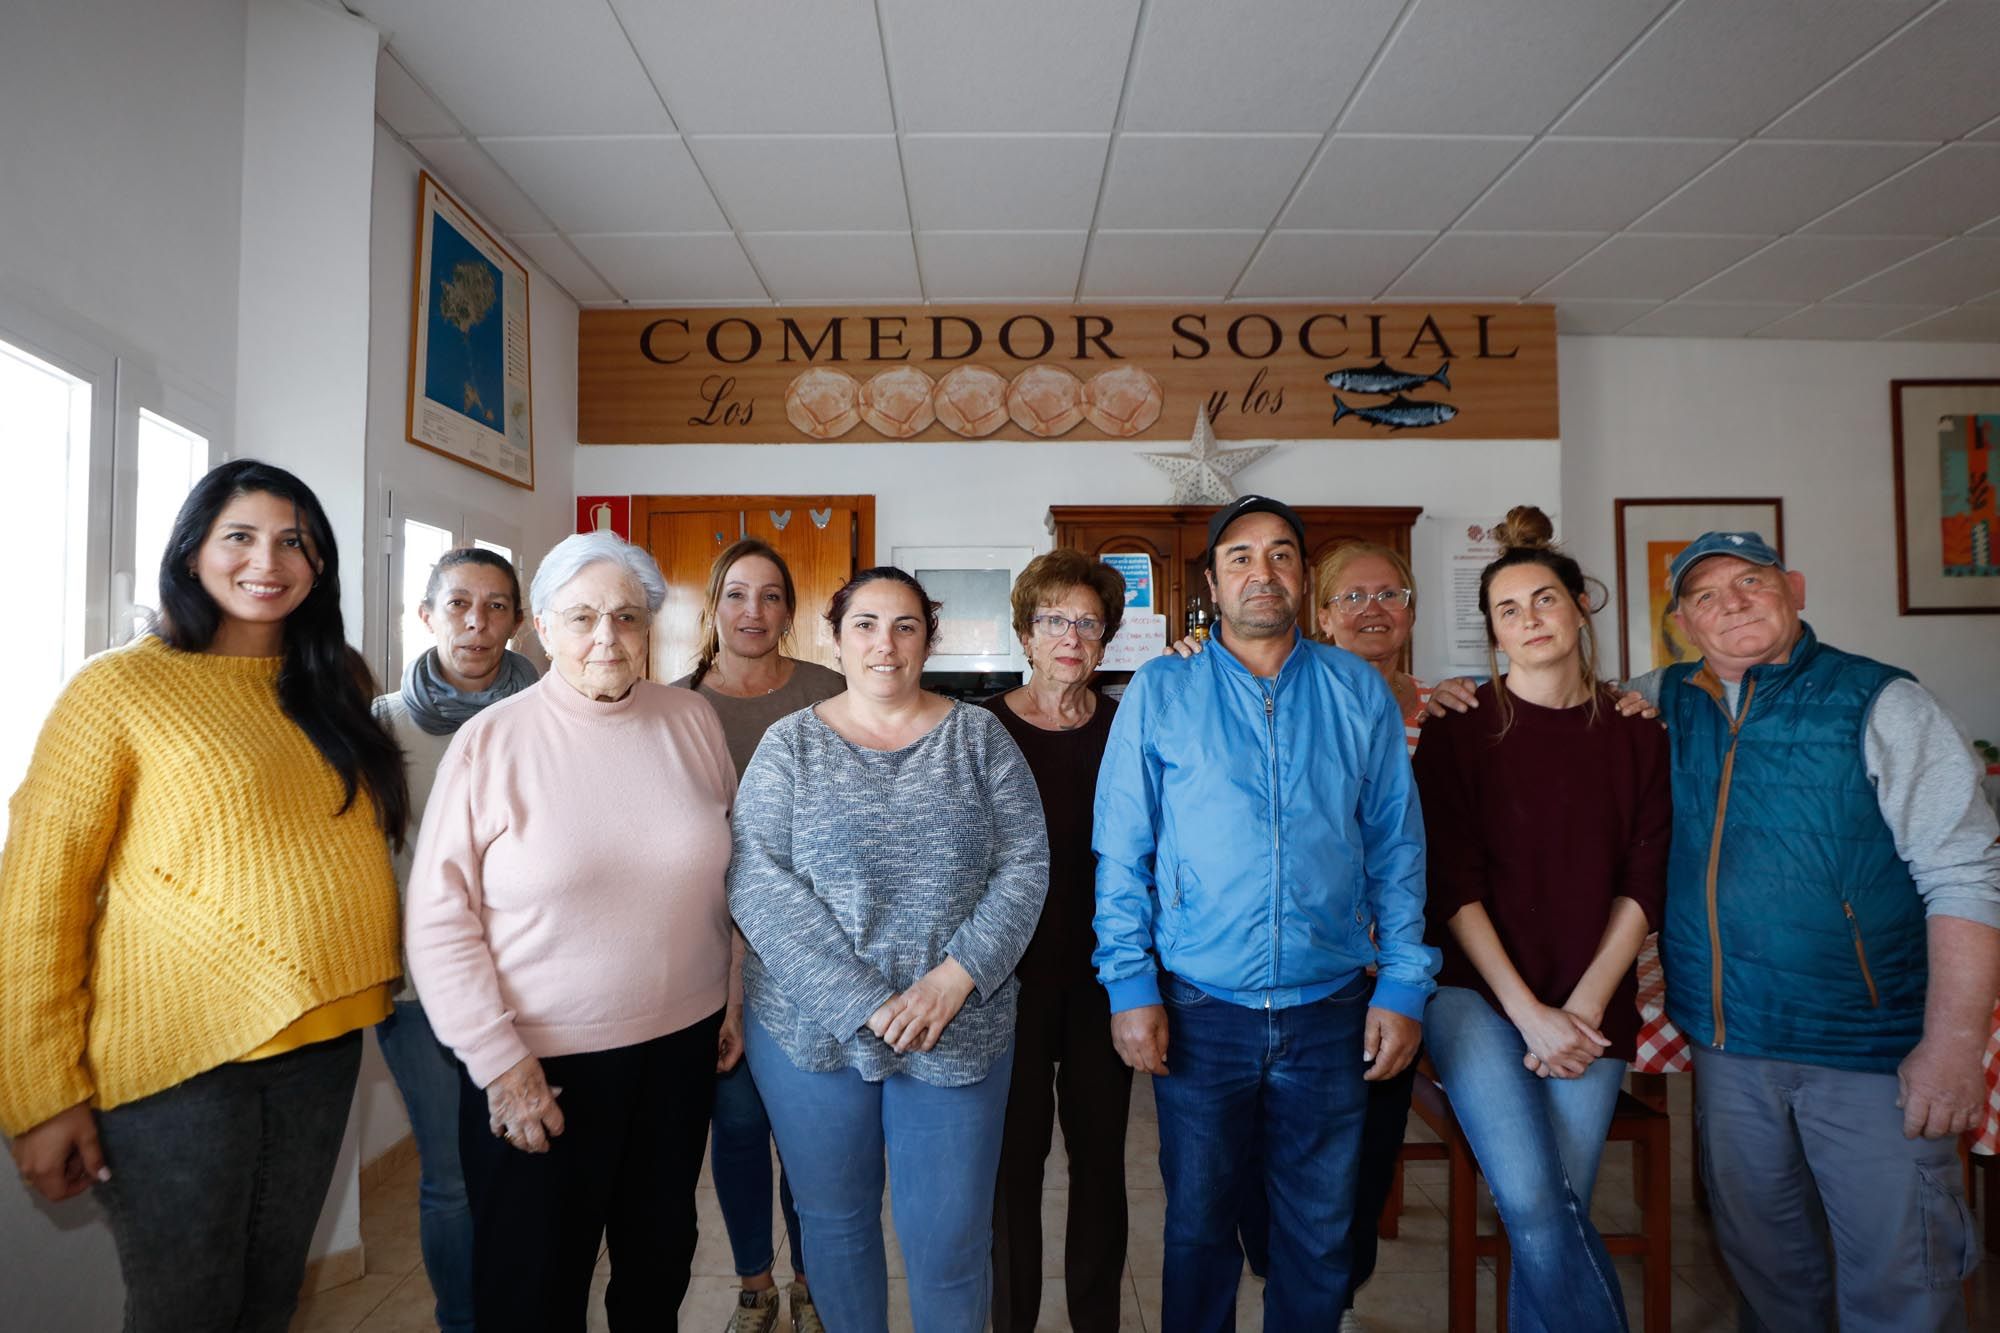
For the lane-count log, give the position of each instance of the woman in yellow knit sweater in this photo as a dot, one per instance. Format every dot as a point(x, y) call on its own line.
point(198, 915)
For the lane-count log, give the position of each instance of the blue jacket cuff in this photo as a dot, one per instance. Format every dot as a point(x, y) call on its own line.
point(1138, 992)
point(1397, 997)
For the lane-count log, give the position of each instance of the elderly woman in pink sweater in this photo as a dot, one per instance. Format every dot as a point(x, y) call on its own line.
point(568, 930)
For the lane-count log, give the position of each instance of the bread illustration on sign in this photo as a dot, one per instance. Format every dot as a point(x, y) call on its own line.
point(898, 402)
point(823, 403)
point(971, 401)
point(1123, 401)
point(1045, 401)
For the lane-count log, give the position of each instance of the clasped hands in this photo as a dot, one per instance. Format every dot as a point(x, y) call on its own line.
point(521, 1107)
point(914, 1019)
point(1561, 1042)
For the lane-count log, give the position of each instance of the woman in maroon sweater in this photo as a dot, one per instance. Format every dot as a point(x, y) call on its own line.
point(1550, 817)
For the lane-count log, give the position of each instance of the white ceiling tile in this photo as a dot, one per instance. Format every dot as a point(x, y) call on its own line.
point(1934, 81)
point(1725, 68)
point(708, 268)
point(554, 256)
point(1955, 190)
point(1000, 265)
point(1589, 184)
point(471, 176)
point(1846, 322)
point(836, 266)
point(1588, 317)
point(1491, 265)
point(1199, 182)
point(1768, 187)
point(1274, 65)
point(1807, 268)
point(764, 66)
point(1194, 265)
point(1657, 267)
point(1398, 182)
point(1330, 264)
point(409, 110)
point(637, 183)
point(1696, 320)
point(1492, 67)
point(1972, 323)
point(523, 66)
point(1023, 66)
point(975, 182)
point(1955, 271)
point(805, 182)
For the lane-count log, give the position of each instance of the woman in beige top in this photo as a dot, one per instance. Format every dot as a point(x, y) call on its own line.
point(744, 673)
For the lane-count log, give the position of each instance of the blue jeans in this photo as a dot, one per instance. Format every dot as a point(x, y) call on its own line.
point(1824, 1212)
point(1538, 1141)
point(739, 1154)
point(427, 1074)
point(1293, 1076)
point(943, 1154)
point(216, 1186)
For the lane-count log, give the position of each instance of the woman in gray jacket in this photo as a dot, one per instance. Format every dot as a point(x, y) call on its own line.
point(890, 865)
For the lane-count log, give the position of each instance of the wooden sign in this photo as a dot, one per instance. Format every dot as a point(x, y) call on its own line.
point(791, 374)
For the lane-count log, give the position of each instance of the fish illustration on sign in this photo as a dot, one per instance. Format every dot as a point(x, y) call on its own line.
point(1399, 413)
point(1384, 378)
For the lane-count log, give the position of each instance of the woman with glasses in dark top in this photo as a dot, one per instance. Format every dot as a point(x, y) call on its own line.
point(1066, 609)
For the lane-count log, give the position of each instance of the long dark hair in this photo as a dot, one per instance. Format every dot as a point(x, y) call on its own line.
point(709, 632)
point(837, 608)
point(324, 686)
point(1527, 537)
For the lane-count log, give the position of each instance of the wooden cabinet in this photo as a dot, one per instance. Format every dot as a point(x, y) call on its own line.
point(1175, 538)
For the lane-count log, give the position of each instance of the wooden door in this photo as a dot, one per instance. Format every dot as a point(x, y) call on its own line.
point(823, 540)
point(818, 544)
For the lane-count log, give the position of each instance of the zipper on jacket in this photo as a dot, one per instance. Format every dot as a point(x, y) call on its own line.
point(1861, 955)
point(1277, 892)
point(1715, 858)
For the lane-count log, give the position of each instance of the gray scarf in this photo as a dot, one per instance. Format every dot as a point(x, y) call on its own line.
point(440, 710)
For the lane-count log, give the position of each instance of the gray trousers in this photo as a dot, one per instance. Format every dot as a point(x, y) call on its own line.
point(1827, 1216)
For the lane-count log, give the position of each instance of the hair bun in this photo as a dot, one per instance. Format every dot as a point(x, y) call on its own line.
point(1526, 528)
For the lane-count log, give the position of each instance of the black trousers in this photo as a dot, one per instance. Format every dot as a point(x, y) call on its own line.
point(635, 1122)
point(1381, 1138)
point(1064, 1067)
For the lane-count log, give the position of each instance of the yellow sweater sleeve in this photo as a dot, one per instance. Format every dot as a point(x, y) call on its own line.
point(61, 825)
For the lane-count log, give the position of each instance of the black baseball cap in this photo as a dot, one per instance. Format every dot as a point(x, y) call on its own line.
point(1253, 504)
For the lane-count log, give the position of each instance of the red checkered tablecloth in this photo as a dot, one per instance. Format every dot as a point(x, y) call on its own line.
point(1663, 1050)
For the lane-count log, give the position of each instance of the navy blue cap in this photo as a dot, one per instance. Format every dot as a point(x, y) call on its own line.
point(1743, 545)
point(1253, 504)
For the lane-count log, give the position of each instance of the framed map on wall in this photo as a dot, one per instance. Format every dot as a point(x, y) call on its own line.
point(1947, 517)
point(1650, 533)
point(469, 355)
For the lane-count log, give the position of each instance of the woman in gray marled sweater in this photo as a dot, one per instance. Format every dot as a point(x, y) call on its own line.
point(890, 865)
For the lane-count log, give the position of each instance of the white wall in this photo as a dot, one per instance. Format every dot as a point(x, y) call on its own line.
point(540, 517)
point(1808, 421)
point(999, 492)
point(120, 176)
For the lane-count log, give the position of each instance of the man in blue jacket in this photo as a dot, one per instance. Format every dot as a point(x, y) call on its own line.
point(1255, 822)
point(1831, 953)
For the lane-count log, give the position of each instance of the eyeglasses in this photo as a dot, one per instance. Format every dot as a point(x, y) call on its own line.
point(1052, 626)
point(1354, 599)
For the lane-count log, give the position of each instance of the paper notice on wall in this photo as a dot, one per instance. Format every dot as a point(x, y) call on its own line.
point(1137, 567)
point(1141, 638)
point(1468, 548)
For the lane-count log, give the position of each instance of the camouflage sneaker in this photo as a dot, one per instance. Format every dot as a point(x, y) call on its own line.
point(805, 1319)
point(756, 1312)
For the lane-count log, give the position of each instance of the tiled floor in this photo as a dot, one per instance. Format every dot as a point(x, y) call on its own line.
point(1407, 1294)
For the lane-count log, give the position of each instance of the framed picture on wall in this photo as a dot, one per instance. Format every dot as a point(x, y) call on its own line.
point(1947, 519)
point(1650, 534)
point(469, 355)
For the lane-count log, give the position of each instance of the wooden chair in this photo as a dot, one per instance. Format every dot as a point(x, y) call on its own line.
point(1635, 1122)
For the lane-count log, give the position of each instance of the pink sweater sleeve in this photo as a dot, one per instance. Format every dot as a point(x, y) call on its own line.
point(450, 963)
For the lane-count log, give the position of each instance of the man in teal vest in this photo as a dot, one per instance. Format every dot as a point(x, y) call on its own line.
point(1832, 950)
